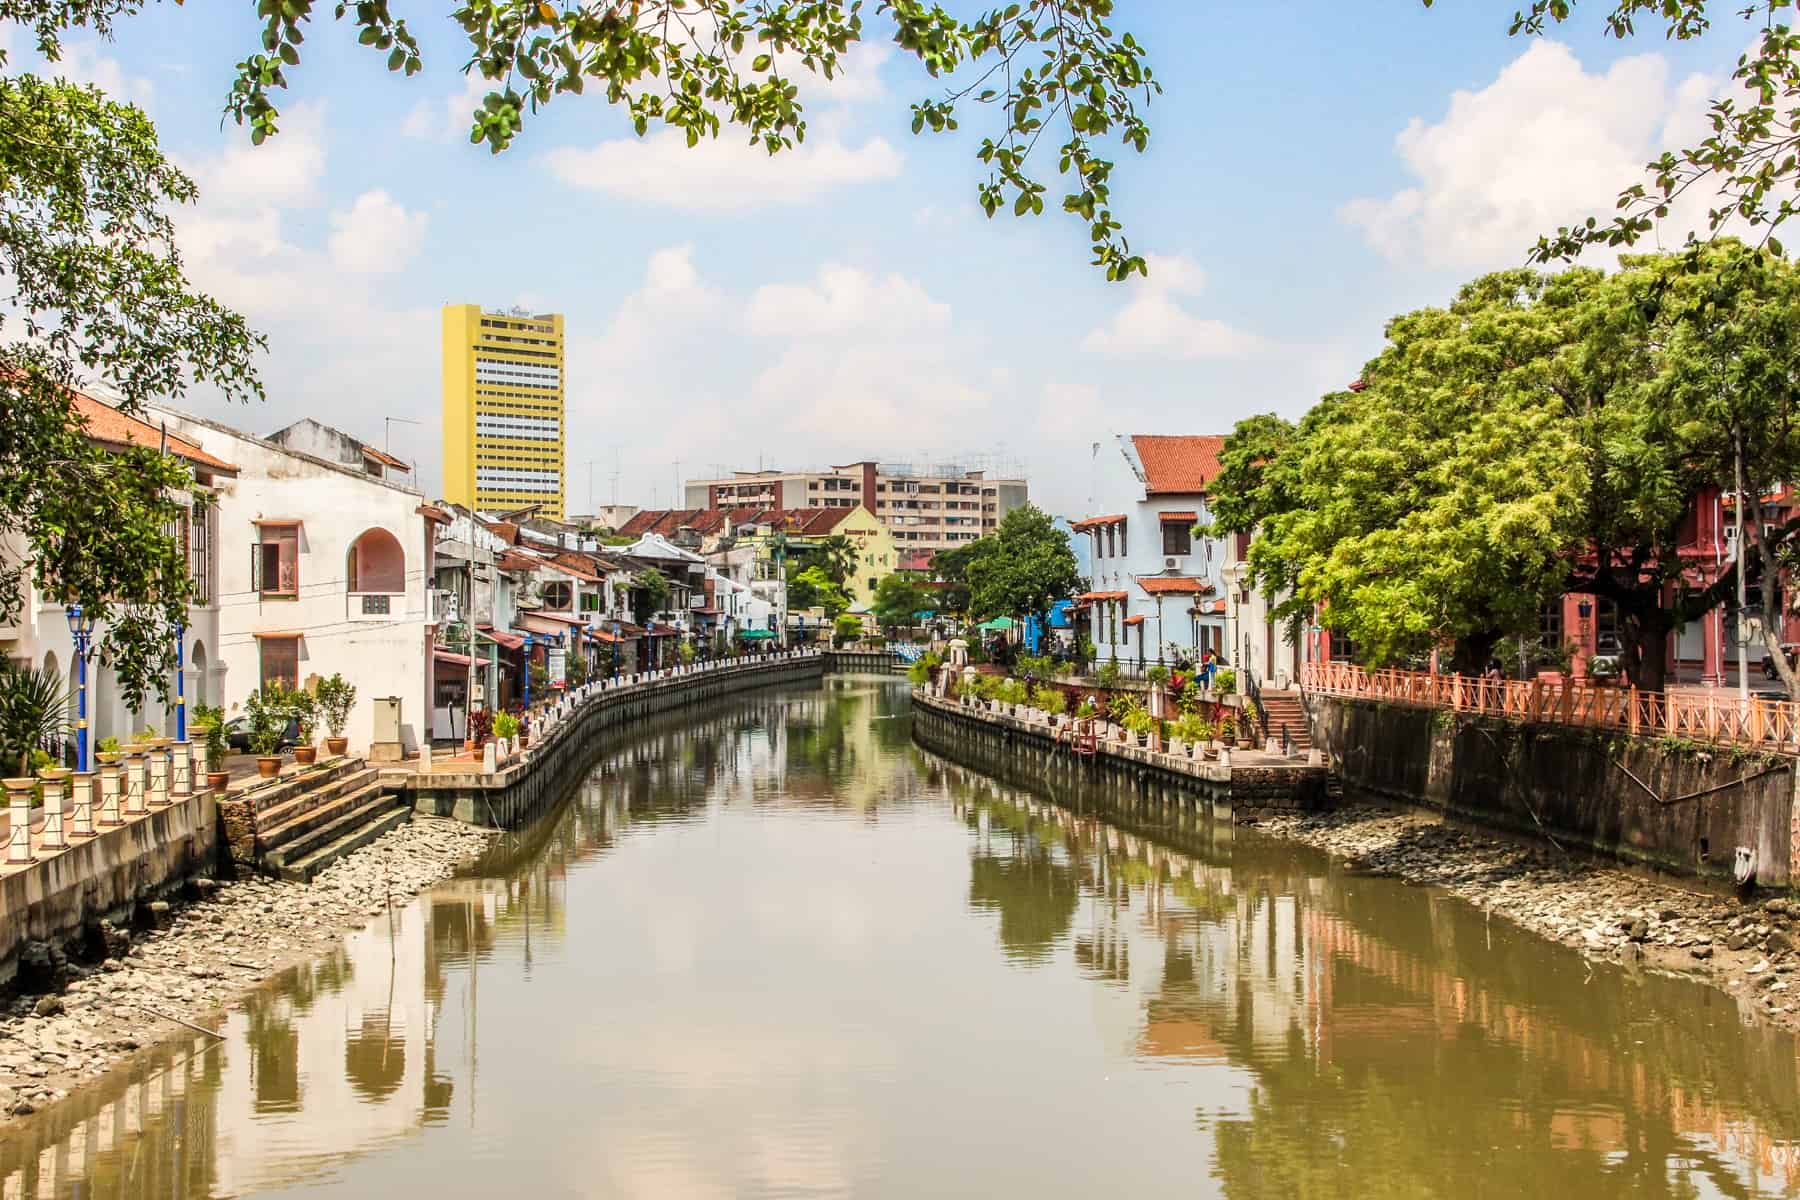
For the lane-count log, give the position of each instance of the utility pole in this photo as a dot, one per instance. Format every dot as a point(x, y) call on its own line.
point(675, 498)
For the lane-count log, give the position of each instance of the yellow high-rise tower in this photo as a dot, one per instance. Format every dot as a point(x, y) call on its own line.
point(503, 410)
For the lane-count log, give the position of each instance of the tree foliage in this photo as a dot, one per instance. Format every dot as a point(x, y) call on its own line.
point(650, 593)
point(1542, 434)
point(698, 66)
point(811, 587)
point(98, 295)
point(1024, 566)
point(897, 598)
point(32, 708)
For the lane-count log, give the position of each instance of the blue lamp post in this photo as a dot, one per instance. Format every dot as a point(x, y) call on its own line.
point(81, 628)
point(180, 683)
point(617, 630)
point(528, 672)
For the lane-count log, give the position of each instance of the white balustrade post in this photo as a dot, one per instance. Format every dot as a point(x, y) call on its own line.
point(84, 785)
point(159, 776)
point(111, 787)
point(181, 771)
point(18, 812)
point(55, 785)
point(489, 761)
point(136, 781)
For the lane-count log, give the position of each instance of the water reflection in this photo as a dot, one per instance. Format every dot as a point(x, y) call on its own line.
point(776, 950)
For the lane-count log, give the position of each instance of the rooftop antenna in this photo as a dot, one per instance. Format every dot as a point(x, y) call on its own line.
point(387, 430)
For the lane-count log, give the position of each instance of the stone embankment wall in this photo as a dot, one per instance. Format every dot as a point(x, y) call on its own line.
point(1026, 753)
point(1677, 806)
point(104, 877)
point(517, 793)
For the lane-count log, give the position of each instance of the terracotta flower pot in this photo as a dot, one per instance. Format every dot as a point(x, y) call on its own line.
point(306, 755)
point(336, 745)
point(524, 739)
point(218, 781)
point(268, 765)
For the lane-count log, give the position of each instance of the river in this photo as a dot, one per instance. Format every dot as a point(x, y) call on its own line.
point(774, 949)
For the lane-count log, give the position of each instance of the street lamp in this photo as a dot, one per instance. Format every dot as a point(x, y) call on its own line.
point(617, 630)
point(528, 672)
point(81, 628)
point(180, 682)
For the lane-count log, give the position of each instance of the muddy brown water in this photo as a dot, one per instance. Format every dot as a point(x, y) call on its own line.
point(773, 949)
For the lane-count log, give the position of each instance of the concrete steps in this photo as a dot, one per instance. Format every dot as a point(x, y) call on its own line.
point(1284, 708)
point(305, 831)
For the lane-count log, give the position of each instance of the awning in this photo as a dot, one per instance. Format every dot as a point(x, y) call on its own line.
point(451, 657)
point(558, 617)
point(279, 635)
point(1088, 523)
point(509, 641)
point(281, 522)
point(1174, 585)
point(1137, 620)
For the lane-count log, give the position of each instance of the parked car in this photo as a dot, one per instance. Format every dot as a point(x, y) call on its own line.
point(1791, 649)
point(237, 734)
point(1608, 659)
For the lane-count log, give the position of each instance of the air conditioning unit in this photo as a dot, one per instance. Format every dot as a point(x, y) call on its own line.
point(1168, 564)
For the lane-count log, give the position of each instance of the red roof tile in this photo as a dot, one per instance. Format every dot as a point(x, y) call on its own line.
point(1173, 585)
point(1088, 523)
point(1091, 597)
point(108, 426)
point(576, 565)
point(1187, 463)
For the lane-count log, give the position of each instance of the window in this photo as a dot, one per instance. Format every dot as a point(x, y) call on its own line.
point(280, 661)
point(275, 561)
point(1178, 538)
point(556, 594)
point(199, 553)
point(1342, 648)
point(1122, 547)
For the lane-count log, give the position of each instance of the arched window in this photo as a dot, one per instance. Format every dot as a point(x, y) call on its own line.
point(558, 594)
point(376, 563)
point(198, 669)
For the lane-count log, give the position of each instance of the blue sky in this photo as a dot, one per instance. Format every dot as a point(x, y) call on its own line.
point(1314, 169)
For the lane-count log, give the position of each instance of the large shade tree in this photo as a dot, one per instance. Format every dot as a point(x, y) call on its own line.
point(1022, 568)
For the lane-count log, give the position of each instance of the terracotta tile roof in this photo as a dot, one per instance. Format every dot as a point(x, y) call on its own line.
point(1178, 464)
point(1096, 522)
point(512, 560)
point(109, 427)
point(576, 565)
point(1184, 517)
point(434, 513)
point(1137, 620)
point(1091, 597)
point(1173, 585)
point(506, 531)
point(385, 459)
point(824, 520)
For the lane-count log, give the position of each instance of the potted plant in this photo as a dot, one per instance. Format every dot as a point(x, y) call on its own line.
point(1225, 681)
point(1247, 725)
point(305, 711)
point(1138, 722)
point(1194, 731)
point(1158, 675)
point(1109, 674)
point(524, 730)
point(336, 697)
point(481, 727)
point(210, 722)
point(267, 713)
point(1052, 703)
point(506, 727)
point(32, 707)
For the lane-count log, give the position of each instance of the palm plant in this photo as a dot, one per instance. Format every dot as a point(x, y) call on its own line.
point(33, 708)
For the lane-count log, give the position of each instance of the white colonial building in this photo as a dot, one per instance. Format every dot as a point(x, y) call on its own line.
point(1156, 592)
point(325, 570)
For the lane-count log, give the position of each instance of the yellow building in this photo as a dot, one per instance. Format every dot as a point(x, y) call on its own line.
point(877, 554)
point(503, 410)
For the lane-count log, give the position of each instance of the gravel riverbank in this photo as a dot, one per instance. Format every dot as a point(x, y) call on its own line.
point(203, 956)
point(1745, 947)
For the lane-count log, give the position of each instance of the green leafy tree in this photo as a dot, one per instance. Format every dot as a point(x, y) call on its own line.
point(897, 598)
point(1023, 568)
point(650, 593)
point(811, 587)
point(952, 569)
point(96, 294)
point(837, 555)
point(32, 709)
point(846, 628)
point(698, 66)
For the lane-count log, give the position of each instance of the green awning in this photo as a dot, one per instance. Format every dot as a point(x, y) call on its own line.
point(756, 635)
point(998, 623)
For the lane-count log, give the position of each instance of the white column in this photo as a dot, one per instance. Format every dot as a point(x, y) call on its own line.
point(55, 784)
point(18, 811)
point(84, 784)
point(111, 786)
point(136, 781)
point(181, 771)
point(159, 776)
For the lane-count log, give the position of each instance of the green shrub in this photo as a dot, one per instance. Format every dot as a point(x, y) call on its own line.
point(267, 711)
point(1225, 681)
point(1188, 700)
point(210, 722)
point(920, 671)
point(1138, 721)
point(108, 745)
point(505, 725)
point(1158, 674)
point(1011, 691)
point(1123, 708)
point(1109, 674)
point(1193, 728)
point(1051, 700)
point(336, 697)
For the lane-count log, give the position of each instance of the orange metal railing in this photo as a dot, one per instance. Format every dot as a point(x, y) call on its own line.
point(1705, 716)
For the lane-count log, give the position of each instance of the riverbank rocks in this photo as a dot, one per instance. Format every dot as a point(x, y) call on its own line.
point(1741, 945)
point(203, 957)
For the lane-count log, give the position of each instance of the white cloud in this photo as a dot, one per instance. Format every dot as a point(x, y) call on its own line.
point(1154, 325)
point(448, 119)
point(377, 235)
point(671, 301)
point(721, 175)
point(841, 299)
point(1546, 144)
point(284, 171)
point(83, 62)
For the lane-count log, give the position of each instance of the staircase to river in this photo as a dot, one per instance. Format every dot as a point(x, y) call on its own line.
point(300, 826)
point(1285, 709)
